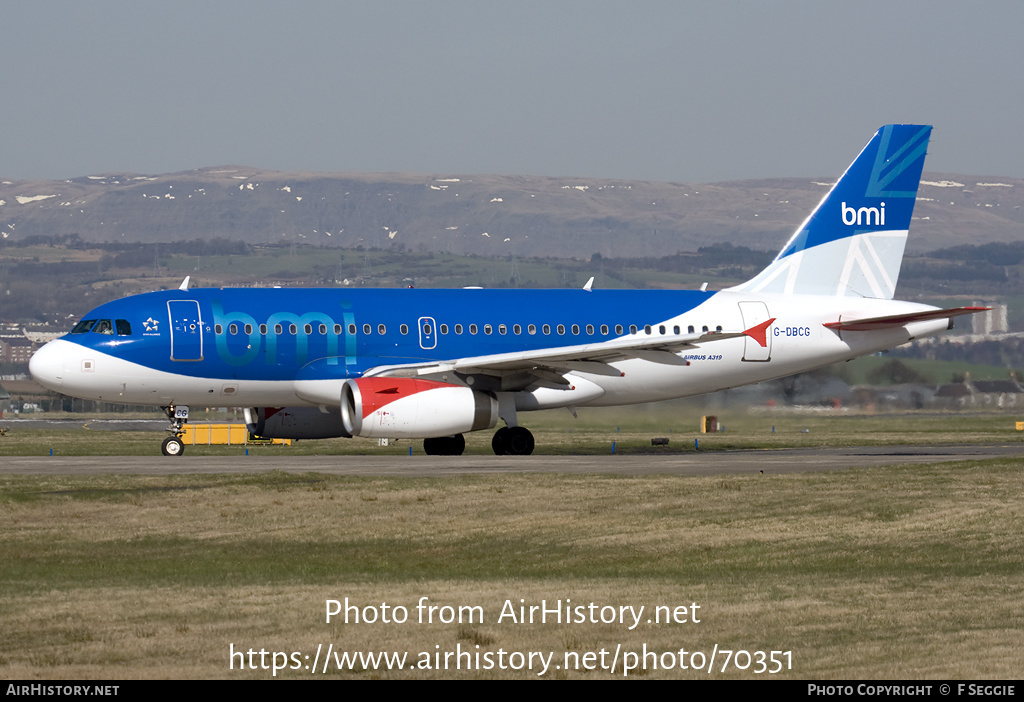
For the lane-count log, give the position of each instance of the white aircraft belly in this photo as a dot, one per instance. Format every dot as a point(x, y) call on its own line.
point(99, 376)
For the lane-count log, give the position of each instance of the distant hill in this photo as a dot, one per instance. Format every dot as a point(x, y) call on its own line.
point(477, 214)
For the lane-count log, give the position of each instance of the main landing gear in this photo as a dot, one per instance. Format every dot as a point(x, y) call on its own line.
point(512, 441)
point(507, 441)
point(445, 445)
point(173, 445)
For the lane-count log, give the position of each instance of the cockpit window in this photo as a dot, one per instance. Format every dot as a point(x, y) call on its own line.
point(122, 327)
point(83, 326)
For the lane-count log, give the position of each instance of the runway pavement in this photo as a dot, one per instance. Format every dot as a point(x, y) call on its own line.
point(753, 462)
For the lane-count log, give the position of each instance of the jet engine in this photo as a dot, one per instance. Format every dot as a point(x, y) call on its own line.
point(411, 408)
point(294, 423)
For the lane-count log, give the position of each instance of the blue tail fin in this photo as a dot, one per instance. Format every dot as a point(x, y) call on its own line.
point(852, 244)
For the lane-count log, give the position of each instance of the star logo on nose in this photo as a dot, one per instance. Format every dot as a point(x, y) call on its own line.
point(150, 325)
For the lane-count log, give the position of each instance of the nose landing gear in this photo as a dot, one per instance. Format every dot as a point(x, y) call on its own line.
point(173, 445)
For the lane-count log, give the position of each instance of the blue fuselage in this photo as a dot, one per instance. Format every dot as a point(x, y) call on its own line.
point(273, 334)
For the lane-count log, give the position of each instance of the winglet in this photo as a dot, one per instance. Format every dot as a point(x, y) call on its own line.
point(589, 284)
point(184, 283)
point(759, 333)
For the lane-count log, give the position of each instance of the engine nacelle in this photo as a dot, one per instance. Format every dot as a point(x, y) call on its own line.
point(409, 408)
point(294, 423)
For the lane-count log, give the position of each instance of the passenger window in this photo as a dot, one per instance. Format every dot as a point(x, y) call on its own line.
point(351, 329)
point(263, 329)
point(604, 329)
point(458, 328)
point(547, 328)
point(367, 329)
point(217, 329)
point(618, 329)
point(381, 329)
point(561, 328)
point(487, 329)
point(675, 329)
point(232, 329)
point(661, 328)
point(502, 329)
point(308, 329)
point(532, 329)
point(323, 329)
point(248, 329)
point(689, 329)
point(83, 326)
point(590, 328)
point(516, 329)
point(632, 329)
point(704, 329)
point(472, 329)
point(404, 328)
point(337, 329)
point(575, 328)
point(277, 329)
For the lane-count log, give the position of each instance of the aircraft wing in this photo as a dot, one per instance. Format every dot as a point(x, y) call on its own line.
point(899, 320)
point(587, 358)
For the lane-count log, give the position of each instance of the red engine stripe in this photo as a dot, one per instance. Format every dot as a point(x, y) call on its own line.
point(379, 392)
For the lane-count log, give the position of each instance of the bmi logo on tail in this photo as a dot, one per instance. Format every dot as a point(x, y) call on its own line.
point(852, 216)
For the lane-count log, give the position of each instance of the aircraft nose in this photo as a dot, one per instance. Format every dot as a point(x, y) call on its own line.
point(47, 365)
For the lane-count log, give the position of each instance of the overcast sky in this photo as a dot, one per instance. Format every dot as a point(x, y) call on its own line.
point(654, 90)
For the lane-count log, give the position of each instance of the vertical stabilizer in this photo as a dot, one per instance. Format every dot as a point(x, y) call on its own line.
point(852, 244)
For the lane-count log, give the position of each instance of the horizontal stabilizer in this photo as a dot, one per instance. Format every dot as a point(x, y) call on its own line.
point(900, 320)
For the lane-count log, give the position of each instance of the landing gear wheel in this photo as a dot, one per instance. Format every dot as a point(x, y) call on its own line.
point(512, 441)
point(172, 446)
point(520, 442)
point(499, 444)
point(445, 445)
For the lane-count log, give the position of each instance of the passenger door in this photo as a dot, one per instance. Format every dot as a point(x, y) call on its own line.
point(186, 330)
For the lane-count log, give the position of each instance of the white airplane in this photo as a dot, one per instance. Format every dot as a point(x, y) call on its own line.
point(434, 364)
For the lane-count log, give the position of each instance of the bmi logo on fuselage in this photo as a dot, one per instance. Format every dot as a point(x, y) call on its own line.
point(864, 216)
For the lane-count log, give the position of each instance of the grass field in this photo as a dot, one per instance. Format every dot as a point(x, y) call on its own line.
point(898, 572)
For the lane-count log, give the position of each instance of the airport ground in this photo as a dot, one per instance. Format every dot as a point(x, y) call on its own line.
point(861, 555)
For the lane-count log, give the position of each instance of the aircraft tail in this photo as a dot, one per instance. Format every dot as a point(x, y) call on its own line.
point(852, 244)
